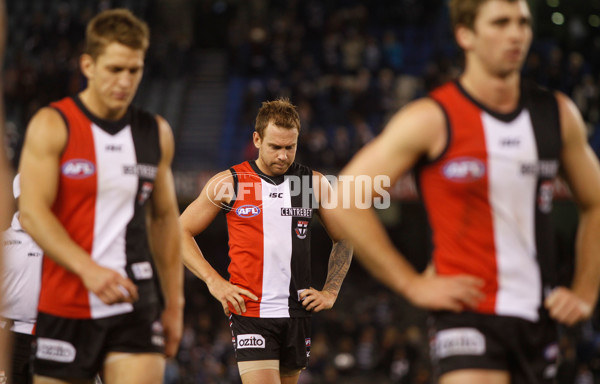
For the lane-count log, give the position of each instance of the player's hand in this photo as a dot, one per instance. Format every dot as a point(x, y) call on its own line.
point(316, 301)
point(109, 285)
point(228, 293)
point(172, 321)
point(566, 307)
point(450, 293)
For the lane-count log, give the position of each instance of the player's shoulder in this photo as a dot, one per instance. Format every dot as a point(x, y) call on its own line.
point(48, 128)
point(549, 101)
point(425, 107)
point(537, 96)
point(143, 118)
point(299, 169)
point(220, 186)
point(422, 115)
point(222, 177)
point(48, 116)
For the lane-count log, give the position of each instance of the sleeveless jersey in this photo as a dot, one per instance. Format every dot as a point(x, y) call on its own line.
point(107, 173)
point(22, 266)
point(269, 238)
point(489, 197)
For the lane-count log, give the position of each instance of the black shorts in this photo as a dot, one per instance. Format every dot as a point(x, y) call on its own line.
point(21, 358)
point(283, 339)
point(527, 350)
point(76, 348)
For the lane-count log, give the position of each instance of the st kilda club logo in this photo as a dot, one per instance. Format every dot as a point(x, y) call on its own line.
point(301, 229)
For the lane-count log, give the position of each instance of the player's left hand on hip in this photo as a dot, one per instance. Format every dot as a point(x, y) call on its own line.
point(316, 301)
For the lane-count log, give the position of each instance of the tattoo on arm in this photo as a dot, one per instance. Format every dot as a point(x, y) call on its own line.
point(339, 263)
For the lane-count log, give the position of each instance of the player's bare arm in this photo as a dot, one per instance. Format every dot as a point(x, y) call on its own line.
point(582, 171)
point(5, 168)
point(416, 131)
point(339, 258)
point(194, 220)
point(4, 177)
point(45, 140)
point(165, 239)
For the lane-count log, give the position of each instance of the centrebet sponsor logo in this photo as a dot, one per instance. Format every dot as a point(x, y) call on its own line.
point(297, 212)
point(55, 350)
point(250, 341)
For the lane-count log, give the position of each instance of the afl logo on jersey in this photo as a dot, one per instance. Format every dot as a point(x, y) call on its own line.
point(464, 169)
point(78, 169)
point(246, 211)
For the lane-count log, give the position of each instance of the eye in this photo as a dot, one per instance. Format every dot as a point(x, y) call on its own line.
point(500, 22)
point(525, 21)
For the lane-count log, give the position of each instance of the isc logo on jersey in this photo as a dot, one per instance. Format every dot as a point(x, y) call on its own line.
point(247, 211)
point(464, 169)
point(78, 168)
point(250, 341)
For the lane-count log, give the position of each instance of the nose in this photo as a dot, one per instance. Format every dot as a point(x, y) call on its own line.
point(518, 31)
point(282, 155)
point(125, 79)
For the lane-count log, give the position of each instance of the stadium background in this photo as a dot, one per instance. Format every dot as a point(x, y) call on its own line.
point(347, 65)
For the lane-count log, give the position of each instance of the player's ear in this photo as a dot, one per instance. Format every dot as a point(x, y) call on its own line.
point(87, 63)
point(464, 37)
point(256, 139)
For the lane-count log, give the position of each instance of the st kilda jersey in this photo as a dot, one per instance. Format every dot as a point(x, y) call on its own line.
point(107, 173)
point(269, 238)
point(489, 197)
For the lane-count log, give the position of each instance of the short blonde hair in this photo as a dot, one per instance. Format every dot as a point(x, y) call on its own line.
point(464, 12)
point(115, 25)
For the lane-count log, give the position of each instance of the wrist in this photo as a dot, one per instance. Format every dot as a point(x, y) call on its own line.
point(211, 278)
point(588, 296)
point(177, 302)
point(81, 266)
point(406, 285)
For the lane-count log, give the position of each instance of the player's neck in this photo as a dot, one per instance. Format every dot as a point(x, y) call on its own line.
point(500, 94)
point(98, 108)
point(263, 168)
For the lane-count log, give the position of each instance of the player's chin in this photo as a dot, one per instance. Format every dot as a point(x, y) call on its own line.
point(279, 168)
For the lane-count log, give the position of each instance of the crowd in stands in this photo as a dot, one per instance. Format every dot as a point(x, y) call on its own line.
point(45, 41)
point(348, 65)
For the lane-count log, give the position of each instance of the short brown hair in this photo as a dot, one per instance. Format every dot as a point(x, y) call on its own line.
point(280, 112)
point(115, 25)
point(463, 12)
